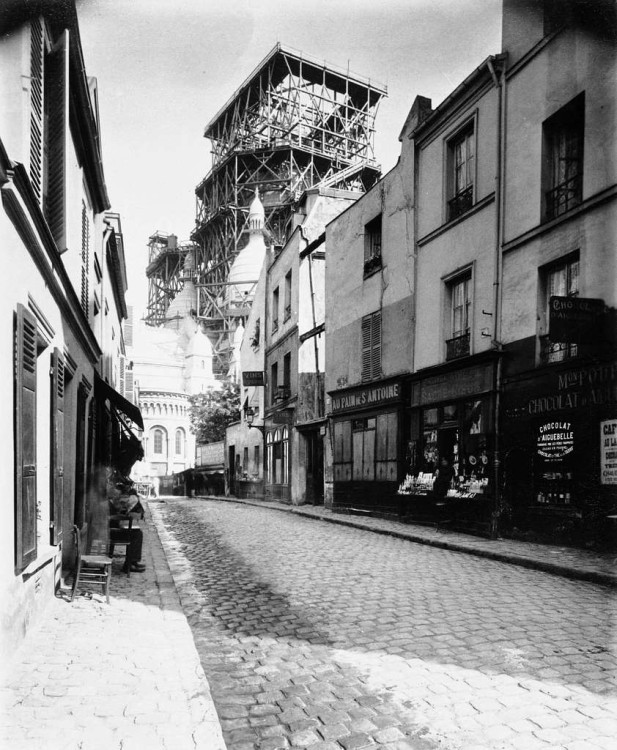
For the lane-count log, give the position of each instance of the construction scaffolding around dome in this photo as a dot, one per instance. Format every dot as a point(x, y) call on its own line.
point(294, 124)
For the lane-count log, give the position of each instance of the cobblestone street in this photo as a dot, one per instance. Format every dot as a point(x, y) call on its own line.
point(315, 634)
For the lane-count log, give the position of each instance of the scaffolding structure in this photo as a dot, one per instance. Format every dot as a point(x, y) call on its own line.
point(166, 258)
point(294, 124)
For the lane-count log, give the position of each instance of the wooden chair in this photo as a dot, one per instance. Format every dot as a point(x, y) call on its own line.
point(115, 540)
point(91, 569)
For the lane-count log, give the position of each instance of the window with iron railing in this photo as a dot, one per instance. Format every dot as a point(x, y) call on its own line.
point(287, 311)
point(560, 280)
point(563, 164)
point(275, 310)
point(458, 344)
point(461, 169)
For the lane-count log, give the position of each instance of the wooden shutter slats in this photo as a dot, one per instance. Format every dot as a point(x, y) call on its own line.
point(57, 447)
point(36, 106)
point(25, 438)
point(56, 105)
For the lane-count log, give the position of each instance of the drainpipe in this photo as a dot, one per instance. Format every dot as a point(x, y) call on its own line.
point(500, 85)
point(104, 270)
point(315, 346)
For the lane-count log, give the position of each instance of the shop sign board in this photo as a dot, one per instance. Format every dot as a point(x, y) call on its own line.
point(574, 319)
point(453, 385)
point(253, 377)
point(555, 440)
point(366, 397)
point(210, 454)
point(608, 451)
point(567, 390)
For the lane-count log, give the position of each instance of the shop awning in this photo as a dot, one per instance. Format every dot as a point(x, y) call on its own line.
point(117, 400)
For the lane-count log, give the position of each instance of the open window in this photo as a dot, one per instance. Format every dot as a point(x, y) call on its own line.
point(372, 246)
point(563, 158)
point(461, 171)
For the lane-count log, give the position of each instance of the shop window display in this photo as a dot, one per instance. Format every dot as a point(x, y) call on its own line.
point(458, 433)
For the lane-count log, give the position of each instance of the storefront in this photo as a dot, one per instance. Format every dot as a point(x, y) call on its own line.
point(278, 455)
point(366, 425)
point(560, 452)
point(451, 427)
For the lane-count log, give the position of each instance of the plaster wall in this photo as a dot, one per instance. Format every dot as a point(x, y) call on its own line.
point(593, 235)
point(575, 61)
point(350, 296)
point(23, 598)
point(433, 160)
point(468, 245)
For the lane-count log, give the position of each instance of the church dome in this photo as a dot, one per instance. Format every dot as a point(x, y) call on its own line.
point(246, 268)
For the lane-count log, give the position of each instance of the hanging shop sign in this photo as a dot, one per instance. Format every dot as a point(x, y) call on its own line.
point(608, 451)
point(253, 377)
point(574, 320)
point(555, 440)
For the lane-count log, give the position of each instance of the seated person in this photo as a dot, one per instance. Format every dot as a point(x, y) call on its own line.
point(121, 502)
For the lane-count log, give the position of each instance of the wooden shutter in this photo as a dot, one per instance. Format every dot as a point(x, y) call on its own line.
point(366, 348)
point(25, 438)
point(57, 447)
point(57, 111)
point(122, 363)
point(129, 386)
point(85, 259)
point(376, 345)
point(36, 107)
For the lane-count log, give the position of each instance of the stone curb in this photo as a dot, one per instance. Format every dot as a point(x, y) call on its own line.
point(512, 558)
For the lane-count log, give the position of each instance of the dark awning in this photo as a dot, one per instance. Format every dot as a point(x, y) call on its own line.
point(123, 405)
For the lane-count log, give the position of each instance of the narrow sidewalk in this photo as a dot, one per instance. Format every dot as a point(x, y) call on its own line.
point(569, 562)
point(121, 676)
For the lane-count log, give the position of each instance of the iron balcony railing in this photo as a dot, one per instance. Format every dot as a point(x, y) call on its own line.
point(282, 393)
point(457, 347)
point(461, 203)
point(563, 197)
point(551, 351)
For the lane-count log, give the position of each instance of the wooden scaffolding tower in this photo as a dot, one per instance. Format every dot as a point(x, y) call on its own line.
point(294, 124)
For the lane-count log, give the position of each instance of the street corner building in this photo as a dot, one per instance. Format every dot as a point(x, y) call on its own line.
point(63, 305)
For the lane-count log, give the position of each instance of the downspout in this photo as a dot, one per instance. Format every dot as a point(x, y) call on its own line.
point(314, 317)
point(500, 85)
point(106, 235)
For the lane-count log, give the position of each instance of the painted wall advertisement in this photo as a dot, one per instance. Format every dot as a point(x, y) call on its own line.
point(608, 451)
point(555, 440)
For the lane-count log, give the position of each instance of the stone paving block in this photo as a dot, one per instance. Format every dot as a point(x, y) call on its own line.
point(355, 741)
point(304, 738)
point(273, 743)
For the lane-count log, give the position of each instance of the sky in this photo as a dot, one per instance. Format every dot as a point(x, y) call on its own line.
point(165, 68)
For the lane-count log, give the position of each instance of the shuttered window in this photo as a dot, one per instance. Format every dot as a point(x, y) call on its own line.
point(371, 346)
point(57, 446)
point(56, 105)
point(85, 259)
point(25, 438)
point(36, 107)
